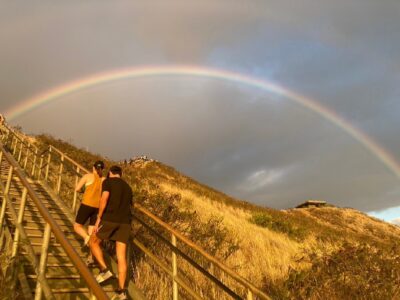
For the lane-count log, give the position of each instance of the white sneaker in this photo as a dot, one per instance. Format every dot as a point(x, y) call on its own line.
point(103, 276)
point(120, 295)
point(90, 261)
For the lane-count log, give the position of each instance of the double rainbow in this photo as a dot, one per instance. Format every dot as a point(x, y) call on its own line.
point(196, 71)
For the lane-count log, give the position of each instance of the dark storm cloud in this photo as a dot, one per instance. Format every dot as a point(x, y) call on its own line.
point(243, 141)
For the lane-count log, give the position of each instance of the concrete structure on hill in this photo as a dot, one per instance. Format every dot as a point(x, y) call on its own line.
point(141, 158)
point(313, 203)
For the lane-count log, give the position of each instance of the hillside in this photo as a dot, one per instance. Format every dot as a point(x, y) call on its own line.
point(312, 253)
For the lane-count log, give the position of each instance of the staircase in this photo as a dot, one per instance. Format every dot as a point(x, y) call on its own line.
point(38, 205)
point(38, 229)
point(62, 276)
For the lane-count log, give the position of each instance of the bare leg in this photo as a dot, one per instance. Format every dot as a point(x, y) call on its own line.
point(90, 229)
point(80, 229)
point(122, 266)
point(96, 251)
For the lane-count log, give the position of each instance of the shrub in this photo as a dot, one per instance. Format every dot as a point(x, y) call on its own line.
point(279, 225)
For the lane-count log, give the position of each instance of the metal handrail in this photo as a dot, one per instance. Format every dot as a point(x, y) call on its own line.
point(175, 234)
point(201, 251)
point(21, 140)
point(58, 233)
point(66, 157)
point(189, 260)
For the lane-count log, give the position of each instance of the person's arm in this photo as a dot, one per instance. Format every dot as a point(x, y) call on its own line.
point(103, 203)
point(81, 183)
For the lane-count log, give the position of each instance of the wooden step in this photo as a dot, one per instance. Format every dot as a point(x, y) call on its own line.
point(29, 214)
point(31, 206)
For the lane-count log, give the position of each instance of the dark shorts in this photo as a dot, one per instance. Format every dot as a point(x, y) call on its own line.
point(85, 213)
point(114, 231)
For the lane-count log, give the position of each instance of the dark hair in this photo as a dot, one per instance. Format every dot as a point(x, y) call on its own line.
point(99, 167)
point(116, 170)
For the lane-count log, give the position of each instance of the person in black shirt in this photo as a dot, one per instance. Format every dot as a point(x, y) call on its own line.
point(113, 223)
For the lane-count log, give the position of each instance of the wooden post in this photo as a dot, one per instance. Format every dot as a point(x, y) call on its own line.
point(174, 270)
point(43, 259)
point(15, 146)
point(26, 156)
point(60, 170)
point(34, 163)
point(75, 192)
point(20, 151)
point(213, 291)
point(249, 295)
point(4, 202)
point(20, 219)
point(40, 167)
point(46, 177)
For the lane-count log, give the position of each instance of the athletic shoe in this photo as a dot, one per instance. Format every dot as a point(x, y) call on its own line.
point(90, 261)
point(103, 276)
point(120, 295)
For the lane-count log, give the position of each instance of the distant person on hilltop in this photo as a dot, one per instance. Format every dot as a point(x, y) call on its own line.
point(90, 203)
point(113, 223)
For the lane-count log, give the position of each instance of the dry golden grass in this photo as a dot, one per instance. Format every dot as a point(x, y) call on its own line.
point(351, 221)
point(151, 279)
point(262, 253)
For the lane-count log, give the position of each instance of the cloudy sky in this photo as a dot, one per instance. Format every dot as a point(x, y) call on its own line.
point(245, 141)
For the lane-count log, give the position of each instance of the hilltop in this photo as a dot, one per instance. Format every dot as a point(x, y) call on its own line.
point(299, 253)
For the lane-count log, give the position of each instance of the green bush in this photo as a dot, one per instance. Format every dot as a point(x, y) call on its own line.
point(279, 225)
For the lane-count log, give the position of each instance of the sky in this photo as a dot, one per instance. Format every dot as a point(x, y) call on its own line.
point(245, 141)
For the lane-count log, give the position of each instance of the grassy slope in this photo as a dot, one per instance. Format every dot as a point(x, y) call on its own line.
point(297, 253)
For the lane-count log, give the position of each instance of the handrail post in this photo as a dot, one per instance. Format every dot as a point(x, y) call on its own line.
point(174, 270)
point(34, 163)
point(20, 151)
point(15, 146)
point(60, 170)
point(48, 166)
point(27, 155)
point(40, 167)
point(3, 204)
point(250, 295)
point(43, 259)
point(20, 219)
point(75, 192)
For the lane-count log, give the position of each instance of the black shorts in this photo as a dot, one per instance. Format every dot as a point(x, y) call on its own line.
point(114, 231)
point(86, 212)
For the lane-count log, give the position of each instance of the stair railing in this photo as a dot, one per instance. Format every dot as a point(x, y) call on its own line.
point(61, 164)
point(51, 227)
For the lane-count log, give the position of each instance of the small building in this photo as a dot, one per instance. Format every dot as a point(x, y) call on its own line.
point(312, 203)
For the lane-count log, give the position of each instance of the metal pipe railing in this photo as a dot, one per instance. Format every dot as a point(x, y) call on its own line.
point(176, 251)
point(50, 227)
point(198, 249)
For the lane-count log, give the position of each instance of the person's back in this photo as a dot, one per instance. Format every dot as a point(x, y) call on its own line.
point(113, 223)
point(92, 194)
point(118, 209)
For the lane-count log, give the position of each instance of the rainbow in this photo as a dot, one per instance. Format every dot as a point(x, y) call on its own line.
point(195, 71)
